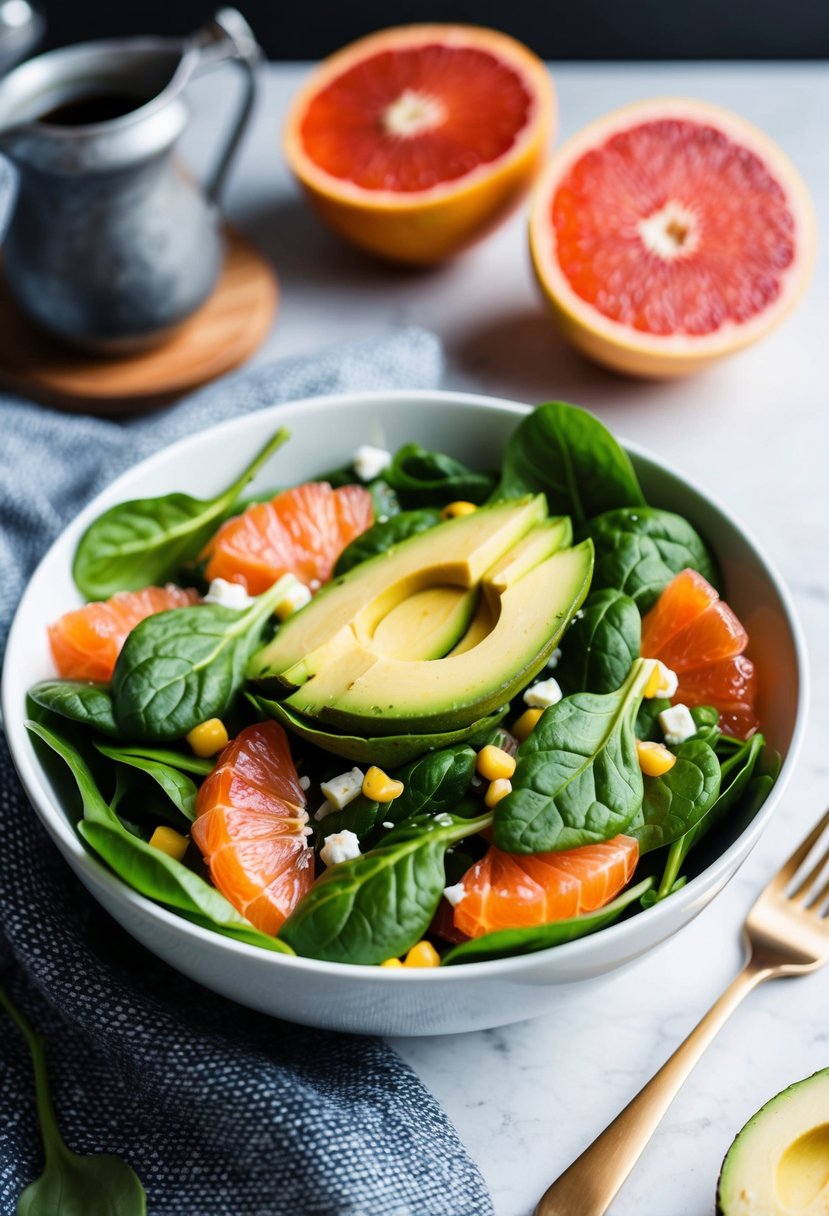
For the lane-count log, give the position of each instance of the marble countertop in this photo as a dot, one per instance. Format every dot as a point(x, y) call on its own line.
point(755, 430)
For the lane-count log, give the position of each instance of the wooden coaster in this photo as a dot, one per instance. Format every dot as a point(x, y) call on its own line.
point(225, 331)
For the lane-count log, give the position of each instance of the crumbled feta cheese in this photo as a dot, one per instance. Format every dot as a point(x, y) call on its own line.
point(677, 724)
point(387, 823)
point(455, 894)
point(543, 694)
point(296, 596)
point(554, 659)
point(305, 783)
point(324, 810)
point(341, 790)
point(663, 682)
point(227, 595)
point(369, 462)
point(339, 846)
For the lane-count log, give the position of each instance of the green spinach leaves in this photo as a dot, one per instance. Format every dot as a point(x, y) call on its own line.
point(675, 802)
point(640, 549)
point(381, 536)
point(601, 644)
point(428, 479)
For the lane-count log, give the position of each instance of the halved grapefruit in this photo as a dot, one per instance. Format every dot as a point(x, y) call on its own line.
point(668, 234)
point(416, 141)
point(250, 826)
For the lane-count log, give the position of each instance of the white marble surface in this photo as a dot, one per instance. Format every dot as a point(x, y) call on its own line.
point(755, 430)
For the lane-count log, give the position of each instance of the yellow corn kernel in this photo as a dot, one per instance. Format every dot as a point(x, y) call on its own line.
point(391, 962)
point(453, 509)
point(169, 841)
point(662, 681)
point(493, 762)
point(423, 954)
point(524, 726)
point(208, 738)
point(497, 790)
point(380, 787)
point(654, 758)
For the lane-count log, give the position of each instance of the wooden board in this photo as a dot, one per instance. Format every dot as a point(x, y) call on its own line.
point(225, 331)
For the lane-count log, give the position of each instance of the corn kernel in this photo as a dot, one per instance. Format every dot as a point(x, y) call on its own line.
point(380, 787)
point(497, 790)
point(662, 682)
point(654, 758)
point(423, 954)
point(391, 962)
point(208, 738)
point(453, 509)
point(493, 762)
point(296, 596)
point(524, 726)
point(169, 841)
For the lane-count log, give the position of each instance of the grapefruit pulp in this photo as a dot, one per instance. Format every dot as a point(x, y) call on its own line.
point(670, 233)
point(416, 141)
point(250, 826)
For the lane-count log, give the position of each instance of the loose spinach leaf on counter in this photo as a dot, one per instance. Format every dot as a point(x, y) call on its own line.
point(378, 905)
point(562, 451)
point(429, 479)
point(675, 802)
point(147, 870)
point(180, 668)
point(640, 549)
point(577, 779)
point(601, 644)
point(178, 787)
point(507, 942)
point(143, 542)
point(381, 536)
point(87, 703)
point(71, 1185)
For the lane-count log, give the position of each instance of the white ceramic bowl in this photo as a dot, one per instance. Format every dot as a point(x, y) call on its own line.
point(370, 999)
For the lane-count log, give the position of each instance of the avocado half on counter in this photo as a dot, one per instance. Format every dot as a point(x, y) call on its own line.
point(779, 1163)
point(426, 644)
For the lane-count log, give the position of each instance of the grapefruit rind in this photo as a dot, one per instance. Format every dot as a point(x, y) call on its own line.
point(427, 225)
point(654, 355)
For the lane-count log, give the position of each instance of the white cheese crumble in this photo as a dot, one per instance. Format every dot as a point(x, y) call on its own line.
point(543, 694)
point(296, 596)
point(305, 783)
point(554, 659)
point(324, 810)
point(341, 790)
point(677, 724)
point(340, 846)
point(668, 681)
point(387, 824)
point(227, 595)
point(369, 462)
point(455, 894)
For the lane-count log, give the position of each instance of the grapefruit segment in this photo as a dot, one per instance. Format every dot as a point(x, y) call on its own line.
point(511, 890)
point(86, 642)
point(415, 141)
point(250, 826)
point(302, 531)
point(670, 233)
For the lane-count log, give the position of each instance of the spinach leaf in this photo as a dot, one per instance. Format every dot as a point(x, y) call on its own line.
point(673, 803)
point(378, 905)
point(147, 870)
point(429, 479)
point(381, 536)
point(142, 542)
point(647, 724)
point(566, 453)
point(178, 787)
point(601, 644)
point(71, 1185)
point(504, 943)
point(79, 700)
point(383, 497)
point(181, 667)
point(640, 549)
point(577, 779)
point(181, 761)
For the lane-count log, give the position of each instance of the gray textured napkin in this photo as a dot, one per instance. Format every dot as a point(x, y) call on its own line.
point(222, 1112)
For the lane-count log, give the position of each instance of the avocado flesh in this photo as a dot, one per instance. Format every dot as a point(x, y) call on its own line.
point(456, 553)
point(362, 692)
point(544, 540)
point(779, 1163)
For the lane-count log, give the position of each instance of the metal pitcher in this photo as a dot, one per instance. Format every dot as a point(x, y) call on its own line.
point(111, 242)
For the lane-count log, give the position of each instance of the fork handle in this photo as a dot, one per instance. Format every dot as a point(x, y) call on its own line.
point(588, 1186)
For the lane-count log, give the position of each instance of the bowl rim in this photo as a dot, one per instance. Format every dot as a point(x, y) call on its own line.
point(618, 935)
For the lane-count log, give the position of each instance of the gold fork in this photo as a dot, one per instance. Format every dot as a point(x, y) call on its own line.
point(786, 933)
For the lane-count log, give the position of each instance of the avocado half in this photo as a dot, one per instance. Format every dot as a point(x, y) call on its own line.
point(779, 1163)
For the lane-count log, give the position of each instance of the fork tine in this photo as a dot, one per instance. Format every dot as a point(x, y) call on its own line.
point(819, 900)
point(789, 868)
point(799, 895)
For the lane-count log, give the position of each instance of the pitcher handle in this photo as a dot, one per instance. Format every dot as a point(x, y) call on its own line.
point(229, 39)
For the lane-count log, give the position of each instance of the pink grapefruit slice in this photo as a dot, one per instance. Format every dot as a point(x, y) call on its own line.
point(417, 140)
point(668, 234)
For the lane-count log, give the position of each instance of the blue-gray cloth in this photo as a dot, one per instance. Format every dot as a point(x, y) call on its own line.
point(222, 1112)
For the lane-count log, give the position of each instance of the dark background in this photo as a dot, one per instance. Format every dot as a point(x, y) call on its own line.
point(575, 29)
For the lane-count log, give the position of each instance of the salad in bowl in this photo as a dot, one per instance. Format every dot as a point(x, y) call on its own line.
point(406, 714)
